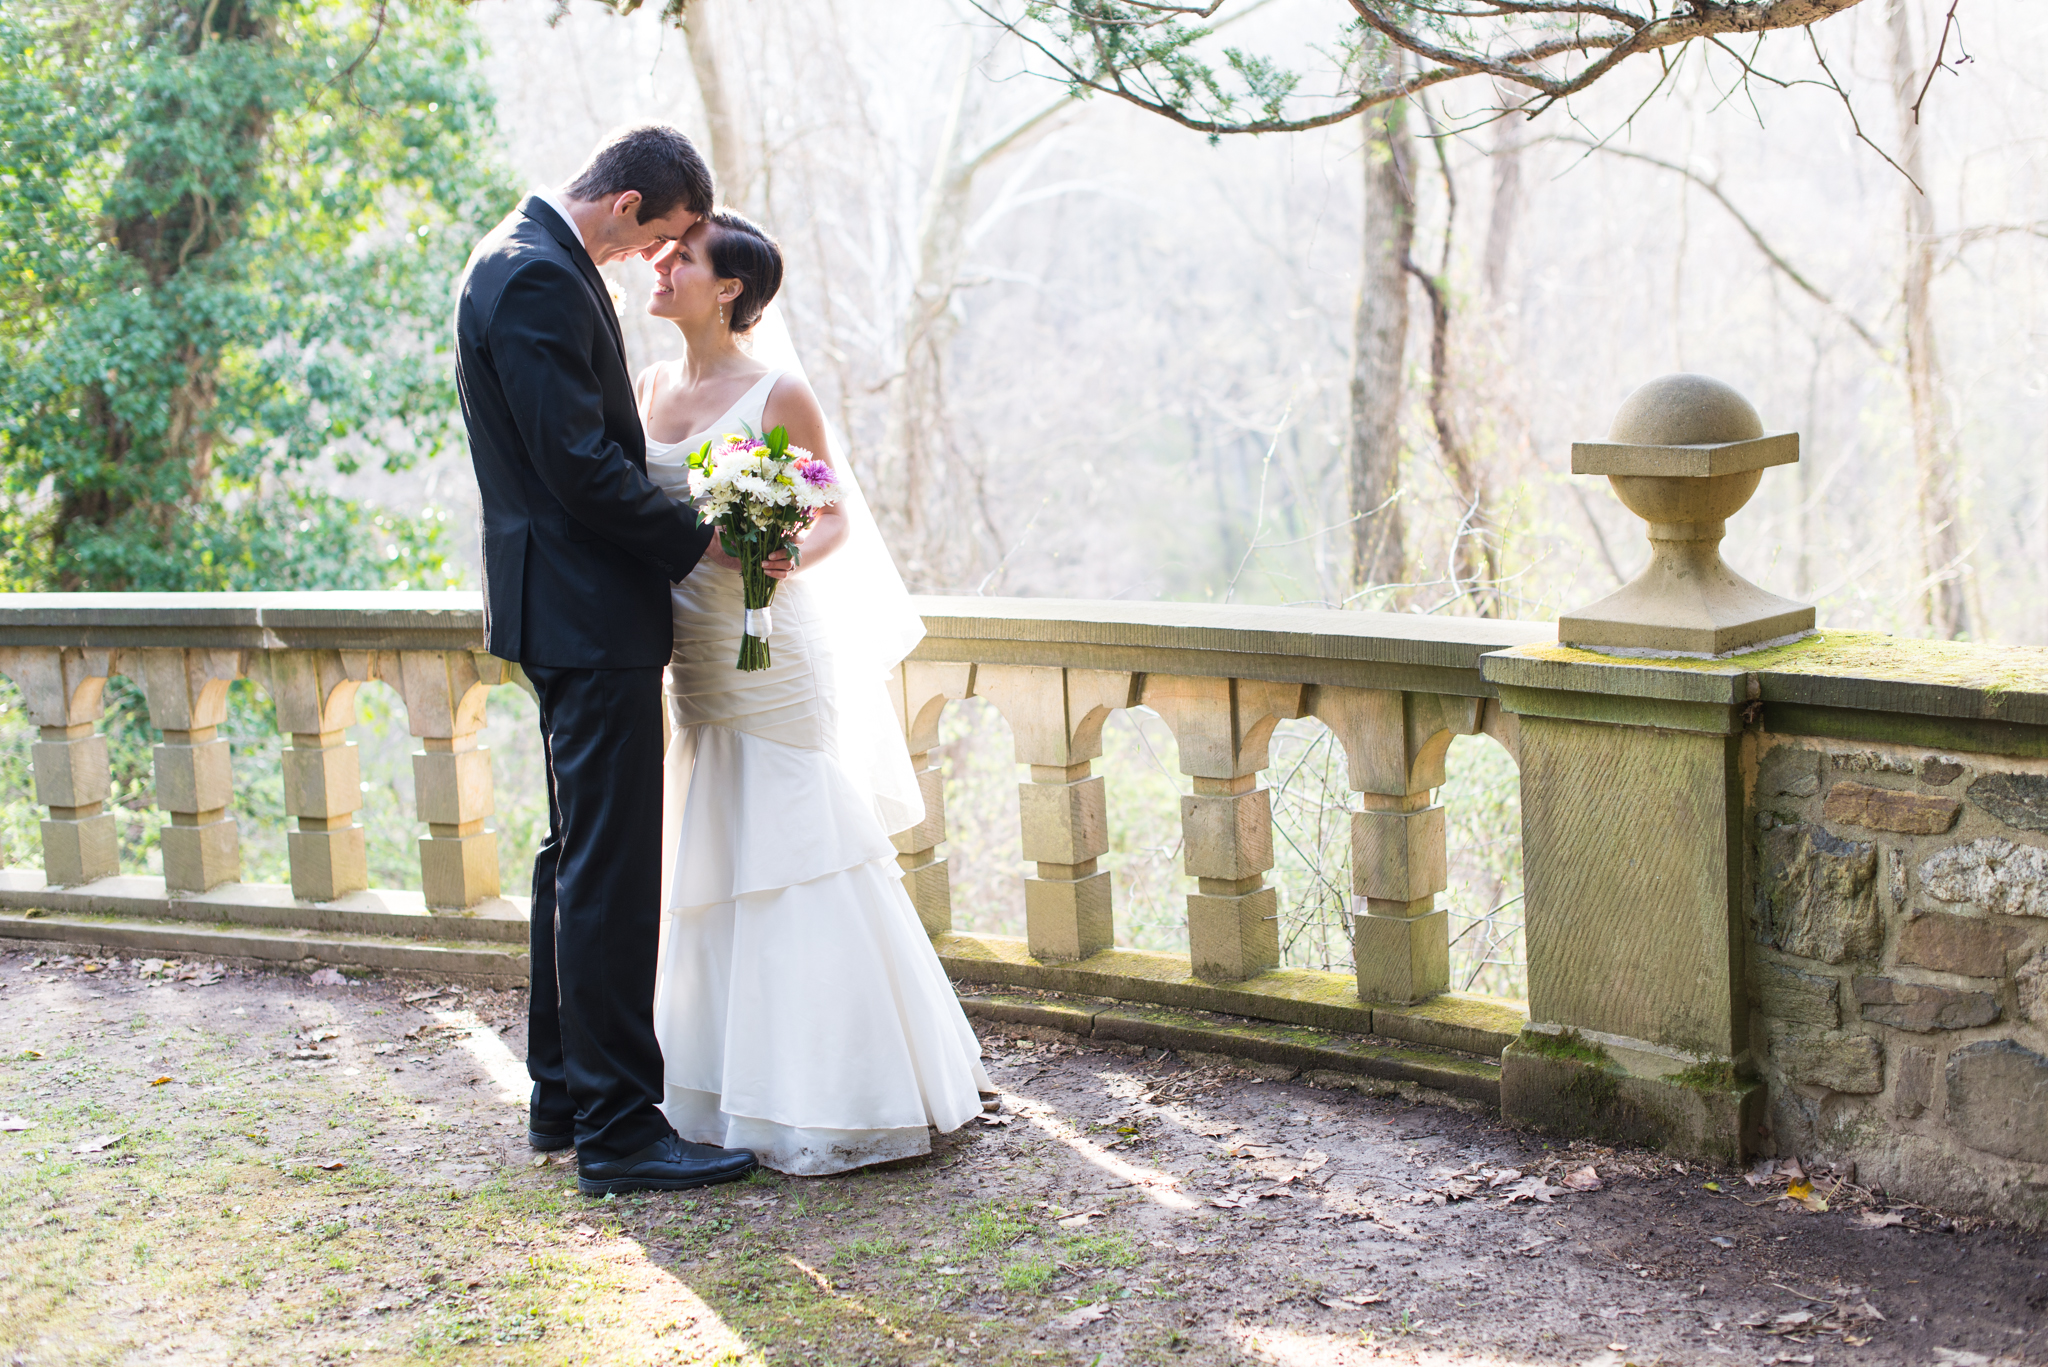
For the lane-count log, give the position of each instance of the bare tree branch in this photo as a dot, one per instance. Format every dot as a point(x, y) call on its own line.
point(1940, 53)
point(1771, 253)
point(1142, 51)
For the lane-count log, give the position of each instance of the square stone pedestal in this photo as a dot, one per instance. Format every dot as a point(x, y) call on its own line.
point(1567, 1086)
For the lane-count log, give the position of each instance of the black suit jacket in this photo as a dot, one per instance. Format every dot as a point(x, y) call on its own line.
point(579, 545)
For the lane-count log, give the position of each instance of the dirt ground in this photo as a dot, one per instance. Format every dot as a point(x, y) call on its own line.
point(252, 1169)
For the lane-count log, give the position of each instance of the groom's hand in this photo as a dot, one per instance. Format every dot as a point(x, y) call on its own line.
point(777, 565)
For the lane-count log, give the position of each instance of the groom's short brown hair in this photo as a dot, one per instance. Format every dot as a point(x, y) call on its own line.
point(653, 158)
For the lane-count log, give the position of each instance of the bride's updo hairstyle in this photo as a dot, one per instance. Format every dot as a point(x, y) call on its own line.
point(742, 251)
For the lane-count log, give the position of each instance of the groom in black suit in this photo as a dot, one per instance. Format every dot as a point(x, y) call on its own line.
point(579, 550)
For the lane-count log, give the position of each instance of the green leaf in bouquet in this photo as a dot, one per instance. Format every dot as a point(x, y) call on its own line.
point(778, 442)
point(700, 459)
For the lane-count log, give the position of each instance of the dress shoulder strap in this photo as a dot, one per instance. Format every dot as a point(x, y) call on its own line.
point(754, 403)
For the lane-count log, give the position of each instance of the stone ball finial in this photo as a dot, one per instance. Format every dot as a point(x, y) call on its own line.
point(1684, 454)
point(1684, 410)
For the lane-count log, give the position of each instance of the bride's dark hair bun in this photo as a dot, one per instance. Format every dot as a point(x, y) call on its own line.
point(741, 250)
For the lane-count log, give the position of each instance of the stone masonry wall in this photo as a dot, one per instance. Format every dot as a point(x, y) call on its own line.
point(1899, 972)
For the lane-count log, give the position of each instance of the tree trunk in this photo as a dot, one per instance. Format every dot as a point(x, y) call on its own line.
point(917, 400)
point(152, 479)
point(1506, 157)
point(935, 504)
point(1379, 343)
point(1934, 461)
point(729, 159)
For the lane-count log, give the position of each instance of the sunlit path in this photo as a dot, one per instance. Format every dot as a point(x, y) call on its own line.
point(255, 1170)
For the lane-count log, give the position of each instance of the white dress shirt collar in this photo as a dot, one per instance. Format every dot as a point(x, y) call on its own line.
point(561, 206)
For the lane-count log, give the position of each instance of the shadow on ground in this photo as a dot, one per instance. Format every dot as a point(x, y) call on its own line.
point(230, 1168)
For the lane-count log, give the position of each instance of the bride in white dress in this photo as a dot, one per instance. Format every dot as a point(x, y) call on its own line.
point(801, 1010)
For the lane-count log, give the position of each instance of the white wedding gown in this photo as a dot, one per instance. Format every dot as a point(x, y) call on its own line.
point(801, 1009)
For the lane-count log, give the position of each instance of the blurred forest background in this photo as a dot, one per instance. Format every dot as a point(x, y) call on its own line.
point(1072, 348)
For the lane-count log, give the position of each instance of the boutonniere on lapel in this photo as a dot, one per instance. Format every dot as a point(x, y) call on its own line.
point(618, 296)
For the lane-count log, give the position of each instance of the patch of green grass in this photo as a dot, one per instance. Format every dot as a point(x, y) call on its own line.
point(1101, 1250)
point(1029, 1275)
point(446, 1329)
point(994, 1227)
point(1104, 1290)
point(868, 1252)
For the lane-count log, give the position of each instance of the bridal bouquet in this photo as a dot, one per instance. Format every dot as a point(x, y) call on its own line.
point(759, 494)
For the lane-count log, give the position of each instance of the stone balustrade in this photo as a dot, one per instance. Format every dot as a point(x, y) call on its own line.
point(1794, 900)
point(1394, 688)
point(309, 653)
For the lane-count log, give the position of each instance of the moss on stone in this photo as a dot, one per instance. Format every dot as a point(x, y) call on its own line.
point(1991, 669)
point(1568, 1045)
point(1716, 1075)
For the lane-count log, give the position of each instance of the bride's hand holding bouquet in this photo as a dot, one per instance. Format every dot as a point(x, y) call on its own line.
point(761, 494)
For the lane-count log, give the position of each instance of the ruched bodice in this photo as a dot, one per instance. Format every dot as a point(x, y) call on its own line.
point(789, 702)
point(801, 1009)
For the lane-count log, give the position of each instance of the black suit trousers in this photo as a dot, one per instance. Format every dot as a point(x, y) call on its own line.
point(597, 909)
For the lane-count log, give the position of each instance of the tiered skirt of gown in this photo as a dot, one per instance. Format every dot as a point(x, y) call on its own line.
point(801, 1009)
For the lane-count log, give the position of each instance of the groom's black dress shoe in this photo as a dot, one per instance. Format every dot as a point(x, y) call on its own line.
point(671, 1163)
point(547, 1136)
point(544, 1134)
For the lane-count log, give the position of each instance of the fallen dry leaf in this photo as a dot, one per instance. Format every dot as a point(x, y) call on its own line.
point(30, 1054)
point(332, 1165)
point(160, 1081)
point(326, 977)
point(1531, 1189)
point(1080, 1219)
point(1079, 1319)
point(14, 1124)
point(1367, 1298)
point(1583, 1179)
point(1721, 1241)
point(99, 1143)
point(1878, 1219)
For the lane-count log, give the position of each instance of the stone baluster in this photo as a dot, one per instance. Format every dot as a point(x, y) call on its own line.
point(1056, 718)
point(1224, 728)
point(1394, 748)
point(922, 691)
point(64, 688)
point(188, 700)
point(445, 692)
point(315, 695)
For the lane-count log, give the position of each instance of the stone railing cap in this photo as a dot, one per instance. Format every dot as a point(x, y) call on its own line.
point(1699, 461)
